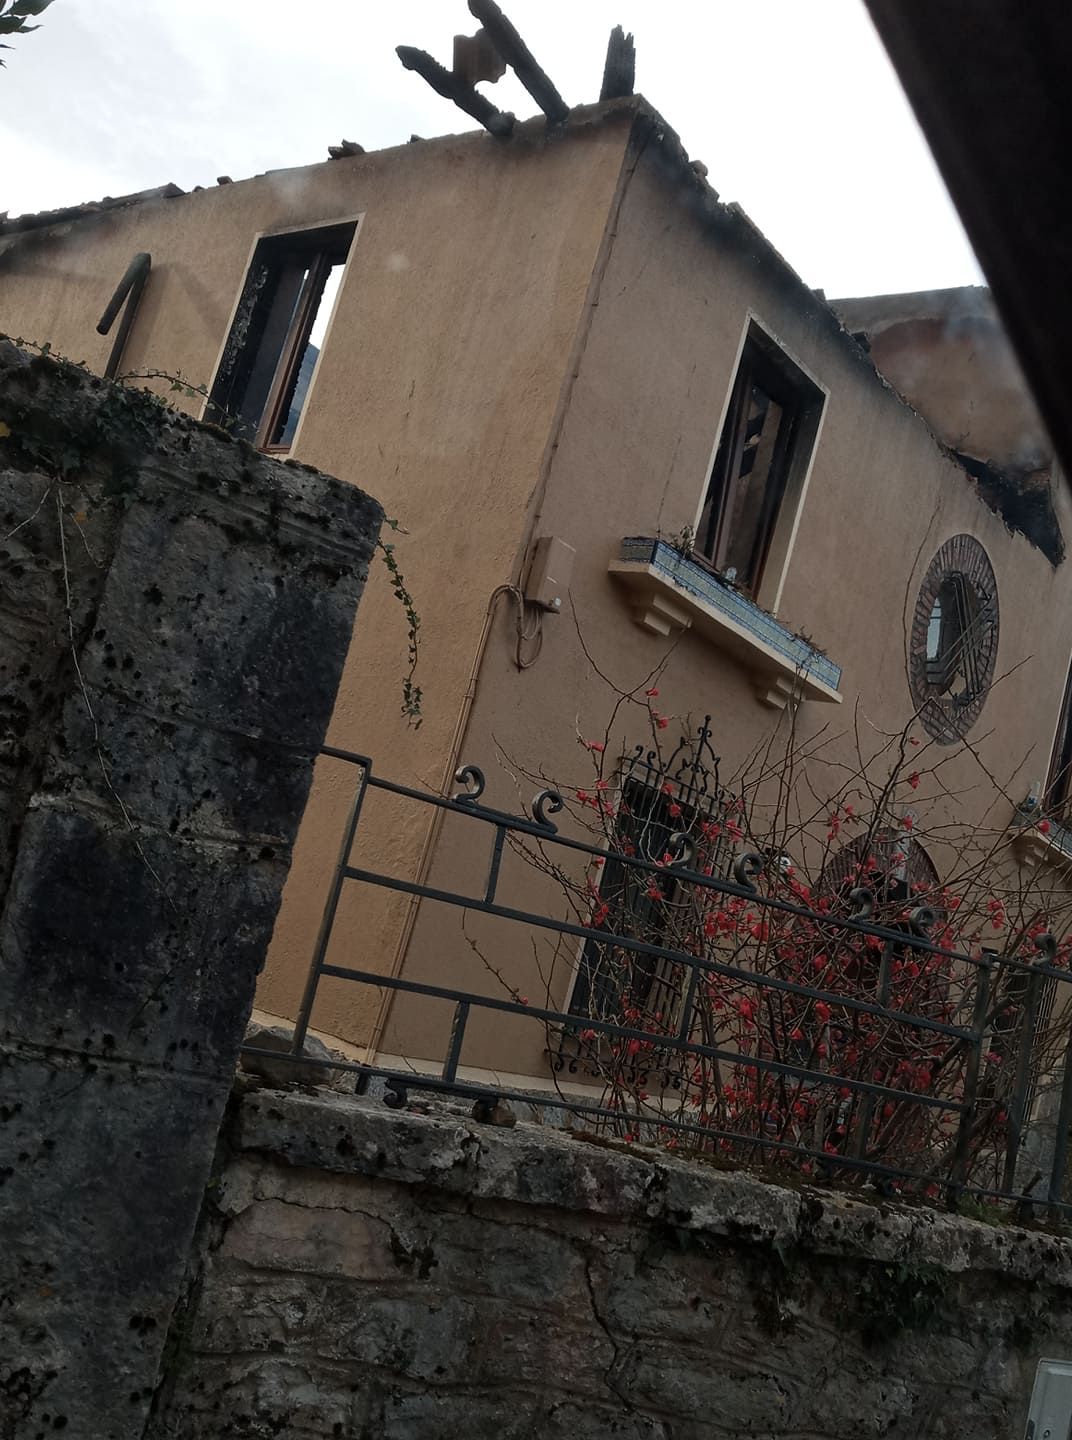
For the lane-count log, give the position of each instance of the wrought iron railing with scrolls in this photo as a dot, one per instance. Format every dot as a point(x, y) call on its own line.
point(642, 1073)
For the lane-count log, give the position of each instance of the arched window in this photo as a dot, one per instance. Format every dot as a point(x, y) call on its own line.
point(891, 863)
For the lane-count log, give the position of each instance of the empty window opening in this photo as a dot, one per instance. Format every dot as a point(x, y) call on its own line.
point(277, 335)
point(762, 453)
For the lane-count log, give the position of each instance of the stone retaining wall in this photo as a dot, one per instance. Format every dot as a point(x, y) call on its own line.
point(176, 610)
point(368, 1274)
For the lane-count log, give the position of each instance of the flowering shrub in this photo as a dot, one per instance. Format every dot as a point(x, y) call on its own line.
point(821, 1005)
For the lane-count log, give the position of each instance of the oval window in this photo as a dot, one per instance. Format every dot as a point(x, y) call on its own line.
point(953, 644)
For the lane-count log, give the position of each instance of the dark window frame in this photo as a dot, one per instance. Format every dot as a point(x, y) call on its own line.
point(261, 364)
point(608, 974)
point(765, 367)
point(958, 620)
point(604, 980)
point(1058, 795)
point(950, 688)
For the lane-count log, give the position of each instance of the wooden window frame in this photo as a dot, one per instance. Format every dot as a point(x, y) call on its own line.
point(764, 364)
point(1059, 779)
point(957, 623)
point(260, 367)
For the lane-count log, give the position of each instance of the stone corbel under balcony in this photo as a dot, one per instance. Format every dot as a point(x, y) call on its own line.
point(1035, 848)
point(670, 592)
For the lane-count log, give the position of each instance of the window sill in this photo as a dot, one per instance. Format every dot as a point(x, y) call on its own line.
point(1033, 849)
point(670, 592)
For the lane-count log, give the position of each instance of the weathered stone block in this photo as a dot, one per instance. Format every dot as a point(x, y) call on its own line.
point(271, 1399)
point(276, 1235)
point(177, 611)
point(102, 1175)
point(136, 947)
point(683, 1304)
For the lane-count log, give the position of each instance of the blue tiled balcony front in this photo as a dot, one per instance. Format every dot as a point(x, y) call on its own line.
point(660, 573)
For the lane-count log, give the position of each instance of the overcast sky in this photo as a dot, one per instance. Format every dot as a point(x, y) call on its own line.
point(791, 104)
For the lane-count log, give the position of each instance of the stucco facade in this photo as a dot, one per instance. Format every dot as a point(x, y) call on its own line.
point(538, 337)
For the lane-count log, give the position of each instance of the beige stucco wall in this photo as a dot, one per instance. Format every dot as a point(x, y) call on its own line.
point(436, 391)
point(633, 458)
point(539, 339)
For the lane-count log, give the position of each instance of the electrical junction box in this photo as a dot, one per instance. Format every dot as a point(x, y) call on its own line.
point(549, 573)
point(1050, 1416)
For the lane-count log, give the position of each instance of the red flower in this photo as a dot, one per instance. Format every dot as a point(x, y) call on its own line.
point(651, 693)
point(661, 721)
point(596, 746)
point(1044, 827)
point(822, 1009)
point(913, 779)
point(908, 822)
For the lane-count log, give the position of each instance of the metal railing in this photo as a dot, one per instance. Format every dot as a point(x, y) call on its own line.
point(576, 1043)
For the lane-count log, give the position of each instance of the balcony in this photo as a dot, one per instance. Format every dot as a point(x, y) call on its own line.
point(670, 592)
point(1045, 843)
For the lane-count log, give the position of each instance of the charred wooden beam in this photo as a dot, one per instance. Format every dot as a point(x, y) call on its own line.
point(619, 71)
point(498, 122)
point(520, 58)
point(476, 58)
point(129, 289)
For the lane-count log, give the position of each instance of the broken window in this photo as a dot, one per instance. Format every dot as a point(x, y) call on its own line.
point(954, 638)
point(1059, 782)
point(762, 453)
point(277, 334)
point(952, 656)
